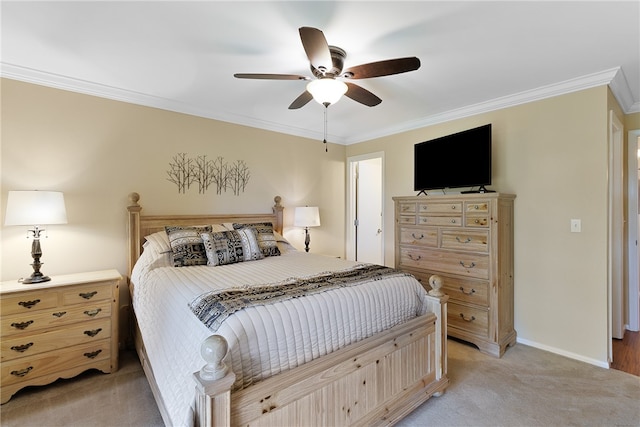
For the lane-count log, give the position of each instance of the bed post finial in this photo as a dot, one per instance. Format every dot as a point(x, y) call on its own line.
point(435, 282)
point(134, 198)
point(213, 350)
point(278, 210)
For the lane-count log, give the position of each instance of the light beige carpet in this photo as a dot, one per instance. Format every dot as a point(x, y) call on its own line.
point(527, 387)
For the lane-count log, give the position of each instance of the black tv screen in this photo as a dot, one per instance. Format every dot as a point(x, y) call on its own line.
point(459, 160)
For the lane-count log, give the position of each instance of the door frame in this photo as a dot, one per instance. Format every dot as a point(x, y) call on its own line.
point(633, 208)
point(351, 200)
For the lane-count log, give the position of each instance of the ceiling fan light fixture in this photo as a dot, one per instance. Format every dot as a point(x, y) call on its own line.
point(326, 91)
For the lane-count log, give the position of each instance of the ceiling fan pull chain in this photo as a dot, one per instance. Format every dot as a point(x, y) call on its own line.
point(326, 150)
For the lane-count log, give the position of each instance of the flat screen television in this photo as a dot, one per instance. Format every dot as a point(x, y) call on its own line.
point(459, 160)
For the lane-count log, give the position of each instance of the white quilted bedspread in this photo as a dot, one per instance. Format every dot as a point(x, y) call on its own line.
point(263, 340)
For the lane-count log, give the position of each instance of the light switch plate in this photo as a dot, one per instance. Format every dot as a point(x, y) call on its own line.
point(576, 226)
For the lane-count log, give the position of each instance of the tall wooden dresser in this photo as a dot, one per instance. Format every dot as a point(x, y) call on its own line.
point(467, 239)
point(58, 329)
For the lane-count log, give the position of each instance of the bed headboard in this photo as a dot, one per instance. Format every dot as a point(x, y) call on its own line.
point(140, 226)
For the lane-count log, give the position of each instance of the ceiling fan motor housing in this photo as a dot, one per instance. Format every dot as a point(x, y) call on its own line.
point(338, 55)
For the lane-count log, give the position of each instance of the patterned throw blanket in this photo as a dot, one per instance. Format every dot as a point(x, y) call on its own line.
point(212, 308)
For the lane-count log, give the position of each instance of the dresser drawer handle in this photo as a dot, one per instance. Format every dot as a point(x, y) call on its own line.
point(473, 291)
point(22, 372)
point(453, 207)
point(28, 304)
point(453, 221)
point(467, 240)
point(93, 354)
point(22, 325)
point(92, 313)
point(21, 348)
point(59, 314)
point(417, 237)
point(93, 332)
point(477, 221)
point(473, 264)
point(415, 258)
point(88, 295)
point(467, 319)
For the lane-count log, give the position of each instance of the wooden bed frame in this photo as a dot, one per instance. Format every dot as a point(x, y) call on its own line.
point(376, 381)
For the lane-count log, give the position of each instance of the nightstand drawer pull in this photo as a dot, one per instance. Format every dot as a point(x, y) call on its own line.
point(21, 348)
point(473, 291)
point(416, 237)
point(92, 313)
point(93, 332)
point(22, 372)
point(88, 295)
point(22, 325)
point(93, 354)
point(467, 319)
point(473, 264)
point(59, 314)
point(28, 304)
point(415, 258)
point(467, 240)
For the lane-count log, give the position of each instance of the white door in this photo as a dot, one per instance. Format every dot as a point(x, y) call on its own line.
point(616, 228)
point(365, 215)
point(633, 260)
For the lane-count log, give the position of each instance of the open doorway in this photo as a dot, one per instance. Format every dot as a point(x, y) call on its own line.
point(365, 216)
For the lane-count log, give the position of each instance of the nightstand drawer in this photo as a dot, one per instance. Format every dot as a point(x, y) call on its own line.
point(28, 302)
point(31, 344)
point(87, 293)
point(18, 324)
point(27, 368)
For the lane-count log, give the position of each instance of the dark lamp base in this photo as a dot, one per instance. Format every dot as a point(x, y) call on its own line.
point(36, 278)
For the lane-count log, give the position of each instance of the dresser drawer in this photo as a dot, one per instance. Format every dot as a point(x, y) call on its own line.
point(42, 319)
point(478, 206)
point(440, 208)
point(87, 293)
point(424, 236)
point(466, 290)
point(407, 208)
point(466, 240)
point(455, 262)
point(26, 368)
point(476, 221)
point(28, 302)
point(470, 319)
point(407, 219)
point(30, 344)
point(435, 220)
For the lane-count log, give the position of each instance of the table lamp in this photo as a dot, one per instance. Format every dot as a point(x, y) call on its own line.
point(35, 208)
point(308, 216)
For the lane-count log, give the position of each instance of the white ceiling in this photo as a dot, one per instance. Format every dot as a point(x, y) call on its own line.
point(181, 56)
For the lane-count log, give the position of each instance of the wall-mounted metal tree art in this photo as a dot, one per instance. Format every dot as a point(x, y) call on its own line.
point(181, 172)
point(185, 171)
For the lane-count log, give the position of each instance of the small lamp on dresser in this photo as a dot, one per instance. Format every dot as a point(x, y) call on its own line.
point(307, 216)
point(35, 209)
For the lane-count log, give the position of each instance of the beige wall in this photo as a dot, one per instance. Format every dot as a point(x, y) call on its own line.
point(97, 151)
point(553, 155)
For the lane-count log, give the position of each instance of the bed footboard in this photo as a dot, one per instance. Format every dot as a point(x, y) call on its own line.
point(376, 381)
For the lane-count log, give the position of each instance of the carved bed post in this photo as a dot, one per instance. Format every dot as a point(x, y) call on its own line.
point(438, 306)
point(213, 385)
point(134, 231)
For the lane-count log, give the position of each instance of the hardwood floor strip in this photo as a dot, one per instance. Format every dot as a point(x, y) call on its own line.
point(626, 353)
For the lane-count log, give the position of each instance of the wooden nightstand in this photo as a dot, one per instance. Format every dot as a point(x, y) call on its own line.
point(58, 329)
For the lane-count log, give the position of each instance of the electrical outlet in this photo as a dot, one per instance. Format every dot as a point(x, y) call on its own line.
point(576, 226)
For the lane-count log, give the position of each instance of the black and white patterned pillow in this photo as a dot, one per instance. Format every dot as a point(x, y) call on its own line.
point(187, 247)
point(266, 238)
point(229, 247)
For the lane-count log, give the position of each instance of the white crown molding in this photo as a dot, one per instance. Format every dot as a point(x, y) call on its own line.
point(613, 77)
point(561, 88)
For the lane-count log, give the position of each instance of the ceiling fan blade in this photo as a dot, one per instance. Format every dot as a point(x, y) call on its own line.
point(316, 47)
point(301, 101)
point(361, 95)
point(382, 68)
point(271, 76)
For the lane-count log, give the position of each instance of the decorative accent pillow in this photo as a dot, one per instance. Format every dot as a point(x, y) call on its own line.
point(266, 238)
point(229, 247)
point(187, 246)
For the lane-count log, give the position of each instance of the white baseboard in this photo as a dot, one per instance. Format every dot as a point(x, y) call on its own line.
point(600, 363)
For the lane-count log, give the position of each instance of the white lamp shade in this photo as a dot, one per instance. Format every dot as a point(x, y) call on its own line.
point(35, 208)
point(327, 90)
point(308, 216)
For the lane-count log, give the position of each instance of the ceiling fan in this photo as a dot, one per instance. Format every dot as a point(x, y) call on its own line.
point(327, 66)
